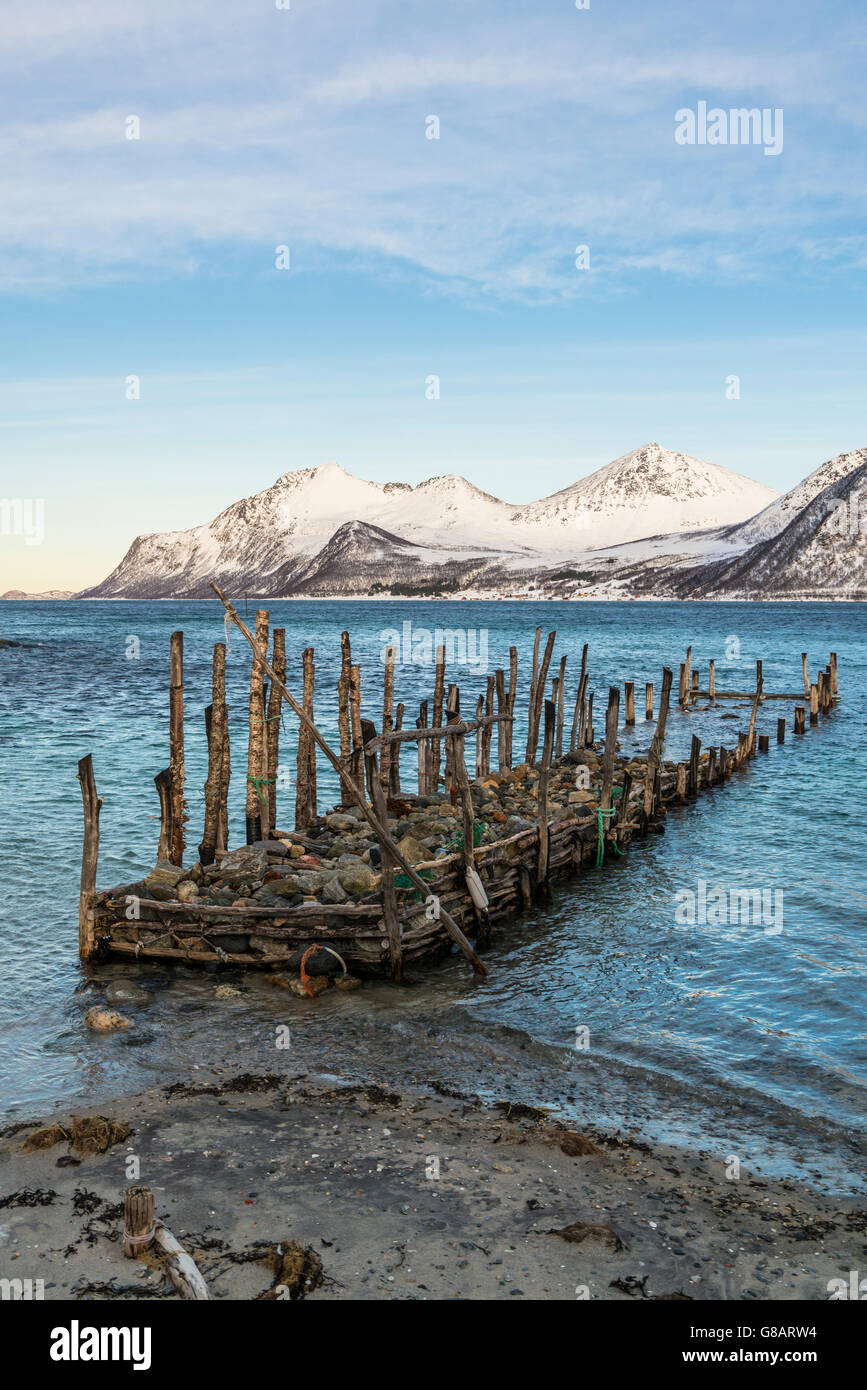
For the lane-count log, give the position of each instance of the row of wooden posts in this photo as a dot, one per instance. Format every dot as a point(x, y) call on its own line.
point(373, 760)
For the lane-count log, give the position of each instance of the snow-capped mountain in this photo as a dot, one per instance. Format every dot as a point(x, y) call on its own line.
point(265, 543)
point(777, 515)
point(821, 552)
point(649, 492)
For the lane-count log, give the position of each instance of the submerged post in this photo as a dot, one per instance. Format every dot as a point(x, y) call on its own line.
point(89, 858)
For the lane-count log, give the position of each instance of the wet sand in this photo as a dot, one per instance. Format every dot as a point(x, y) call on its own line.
point(410, 1194)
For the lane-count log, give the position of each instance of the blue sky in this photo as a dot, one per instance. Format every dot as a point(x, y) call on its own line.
point(305, 127)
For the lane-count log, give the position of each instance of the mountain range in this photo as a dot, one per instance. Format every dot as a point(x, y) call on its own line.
point(651, 523)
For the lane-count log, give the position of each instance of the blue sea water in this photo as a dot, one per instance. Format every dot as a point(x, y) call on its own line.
point(732, 1037)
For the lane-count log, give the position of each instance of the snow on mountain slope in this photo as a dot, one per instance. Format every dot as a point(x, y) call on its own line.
point(649, 492)
point(263, 543)
point(776, 517)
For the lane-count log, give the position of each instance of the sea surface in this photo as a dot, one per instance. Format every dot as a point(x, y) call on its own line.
point(739, 1039)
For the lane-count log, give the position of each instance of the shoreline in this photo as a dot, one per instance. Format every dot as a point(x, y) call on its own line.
point(410, 1193)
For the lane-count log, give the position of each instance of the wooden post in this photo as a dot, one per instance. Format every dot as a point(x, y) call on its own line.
point(305, 782)
point(344, 723)
point(681, 690)
point(781, 730)
point(588, 736)
point(357, 767)
point(468, 856)
point(657, 746)
point(814, 704)
point(163, 784)
point(394, 766)
point(92, 805)
point(694, 687)
point(423, 751)
point(437, 721)
point(612, 719)
point(629, 691)
point(711, 766)
point(648, 700)
point(380, 829)
point(799, 719)
point(561, 698)
point(688, 675)
point(453, 709)
point(755, 709)
point(764, 743)
point(138, 1221)
point(806, 677)
point(695, 749)
point(387, 715)
point(711, 681)
point(513, 688)
point(272, 727)
point(176, 746)
point(577, 739)
point(480, 740)
point(544, 773)
point(489, 728)
point(581, 711)
point(534, 681)
point(502, 708)
point(389, 898)
point(215, 729)
point(536, 711)
point(682, 774)
point(833, 673)
point(743, 748)
point(256, 737)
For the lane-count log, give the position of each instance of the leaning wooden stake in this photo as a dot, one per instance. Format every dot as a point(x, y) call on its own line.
point(358, 797)
point(612, 719)
point(536, 711)
point(560, 702)
point(755, 709)
point(89, 858)
point(654, 757)
point(343, 720)
point(176, 744)
point(272, 728)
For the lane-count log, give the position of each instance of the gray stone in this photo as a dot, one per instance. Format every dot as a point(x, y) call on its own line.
point(355, 878)
point(127, 992)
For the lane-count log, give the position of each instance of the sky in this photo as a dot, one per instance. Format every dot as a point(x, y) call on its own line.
point(156, 363)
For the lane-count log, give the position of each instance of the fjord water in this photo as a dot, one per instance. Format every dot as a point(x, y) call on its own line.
point(730, 1037)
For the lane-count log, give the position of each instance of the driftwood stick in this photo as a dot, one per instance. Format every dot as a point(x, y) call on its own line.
point(89, 858)
point(358, 797)
point(181, 1267)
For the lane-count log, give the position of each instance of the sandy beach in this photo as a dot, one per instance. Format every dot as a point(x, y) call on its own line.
point(328, 1188)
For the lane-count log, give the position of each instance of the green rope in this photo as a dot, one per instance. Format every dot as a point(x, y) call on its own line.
point(479, 828)
point(600, 842)
point(258, 783)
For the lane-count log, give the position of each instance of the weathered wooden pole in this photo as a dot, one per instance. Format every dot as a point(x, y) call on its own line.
point(781, 730)
point(814, 704)
point(695, 750)
point(681, 690)
point(394, 766)
point(480, 740)
point(305, 781)
point(215, 729)
point(453, 709)
point(534, 681)
point(648, 700)
point(163, 784)
point(423, 751)
point(502, 708)
point(694, 687)
point(256, 736)
point(92, 805)
point(764, 743)
point(657, 746)
point(711, 681)
point(272, 727)
point(344, 723)
point(833, 673)
point(542, 888)
point(358, 797)
point(387, 714)
point(581, 712)
point(804, 674)
point(489, 728)
point(357, 762)
point(437, 720)
point(688, 675)
point(176, 746)
point(138, 1221)
point(711, 766)
point(538, 700)
point(468, 856)
point(755, 708)
point(682, 781)
point(513, 690)
point(612, 719)
point(799, 719)
point(629, 692)
point(560, 699)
